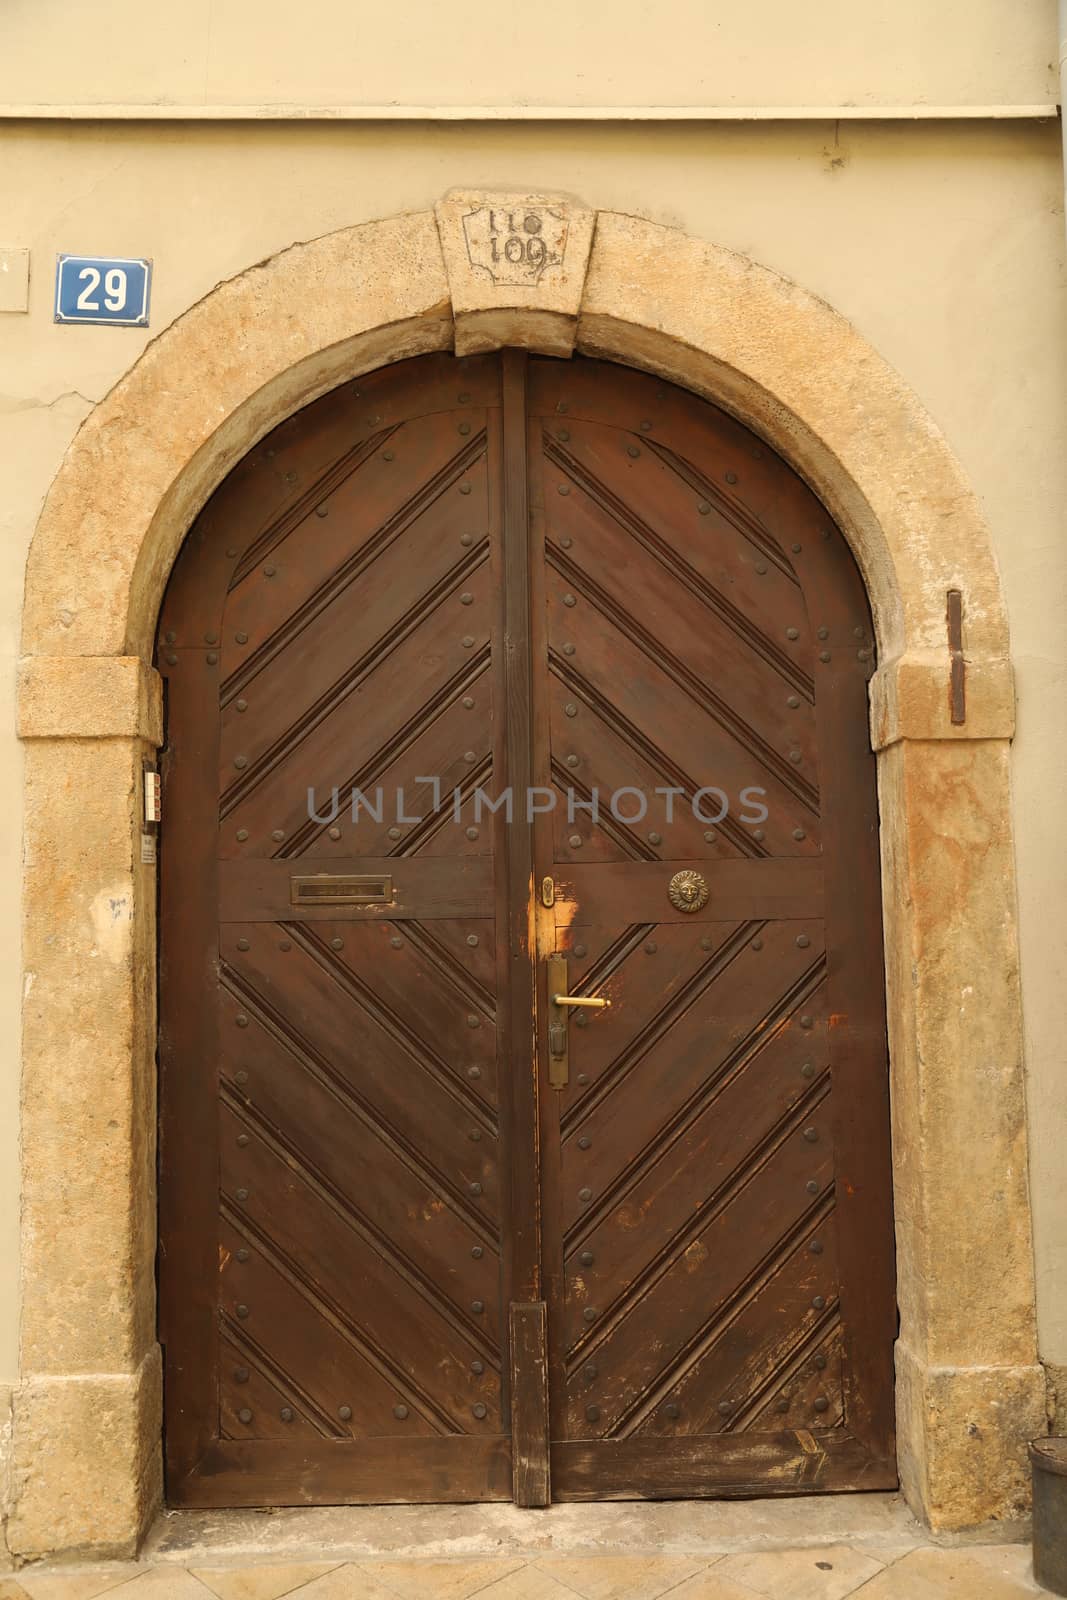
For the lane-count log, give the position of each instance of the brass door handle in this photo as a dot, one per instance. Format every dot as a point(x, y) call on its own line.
point(558, 1052)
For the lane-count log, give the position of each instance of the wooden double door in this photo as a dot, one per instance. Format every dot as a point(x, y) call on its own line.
point(492, 681)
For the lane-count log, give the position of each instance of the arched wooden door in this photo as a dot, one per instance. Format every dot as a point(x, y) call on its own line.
point(491, 681)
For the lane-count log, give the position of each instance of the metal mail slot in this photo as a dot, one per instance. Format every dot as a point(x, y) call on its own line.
point(341, 889)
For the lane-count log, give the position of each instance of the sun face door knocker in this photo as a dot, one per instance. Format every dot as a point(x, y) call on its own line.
point(688, 891)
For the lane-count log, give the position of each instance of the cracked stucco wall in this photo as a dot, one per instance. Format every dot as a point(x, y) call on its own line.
point(944, 244)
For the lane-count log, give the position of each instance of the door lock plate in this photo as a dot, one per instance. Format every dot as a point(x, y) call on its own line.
point(559, 1068)
point(559, 1007)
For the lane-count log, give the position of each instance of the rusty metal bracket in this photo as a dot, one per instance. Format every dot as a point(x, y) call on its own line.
point(957, 693)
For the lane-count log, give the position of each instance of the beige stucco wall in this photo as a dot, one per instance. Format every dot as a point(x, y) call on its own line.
point(418, 52)
point(942, 244)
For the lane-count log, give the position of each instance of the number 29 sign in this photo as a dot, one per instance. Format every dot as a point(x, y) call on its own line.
point(112, 289)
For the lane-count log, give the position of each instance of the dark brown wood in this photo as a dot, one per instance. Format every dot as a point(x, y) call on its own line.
point(518, 874)
point(338, 1472)
point(396, 1263)
point(771, 888)
point(721, 1468)
point(189, 1032)
point(529, 1404)
point(332, 1212)
point(716, 1193)
point(528, 1378)
point(423, 886)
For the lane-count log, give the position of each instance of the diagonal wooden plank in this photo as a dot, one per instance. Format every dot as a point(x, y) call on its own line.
point(666, 1083)
point(595, 748)
point(343, 1314)
point(601, 735)
point(639, 1356)
point(463, 824)
point(280, 711)
point(653, 1224)
point(637, 685)
point(396, 701)
point(364, 1232)
point(605, 1048)
point(347, 1017)
point(376, 515)
point(654, 604)
point(612, 1052)
point(465, 958)
point(322, 1012)
point(300, 1332)
point(406, 786)
point(379, 968)
point(737, 1161)
point(452, 935)
point(315, 494)
point(405, 585)
point(728, 505)
point(252, 1380)
point(752, 1362)
point(584, 827)
point(398, 1311)
point(651, 512)
point(601, 765)
point(309, 1109)
point(814, 1386)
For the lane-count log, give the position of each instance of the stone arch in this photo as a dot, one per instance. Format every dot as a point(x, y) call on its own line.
point(257, 348)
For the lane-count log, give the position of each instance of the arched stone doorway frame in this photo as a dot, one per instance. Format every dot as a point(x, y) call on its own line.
point(257, 348)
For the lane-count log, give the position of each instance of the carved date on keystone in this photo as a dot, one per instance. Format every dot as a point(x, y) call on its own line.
point(515, 247)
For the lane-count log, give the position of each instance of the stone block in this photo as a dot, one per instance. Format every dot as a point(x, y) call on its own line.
point(516, 267)
point(88, 1470)
point(910, 700)
point(963, 1435)
point(88, 1082)
point(89, 697)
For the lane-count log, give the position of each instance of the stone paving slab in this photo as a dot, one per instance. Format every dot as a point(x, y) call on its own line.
point(266, 1582)
point(829, 1573)
point(815, 1572)
point(933, 1574)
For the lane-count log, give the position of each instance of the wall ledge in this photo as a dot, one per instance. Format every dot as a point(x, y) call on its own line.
point(89, 697)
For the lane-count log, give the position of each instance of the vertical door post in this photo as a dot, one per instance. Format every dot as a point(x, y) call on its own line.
point(527, 1323)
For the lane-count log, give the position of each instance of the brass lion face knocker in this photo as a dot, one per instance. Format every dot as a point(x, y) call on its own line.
point(688, 891)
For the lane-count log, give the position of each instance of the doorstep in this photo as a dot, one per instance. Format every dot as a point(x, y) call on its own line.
point(815, 1548)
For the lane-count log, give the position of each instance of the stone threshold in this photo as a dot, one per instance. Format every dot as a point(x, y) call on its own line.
point(878, 1522)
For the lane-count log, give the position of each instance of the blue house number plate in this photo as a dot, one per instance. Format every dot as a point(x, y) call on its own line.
point(111, 289)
